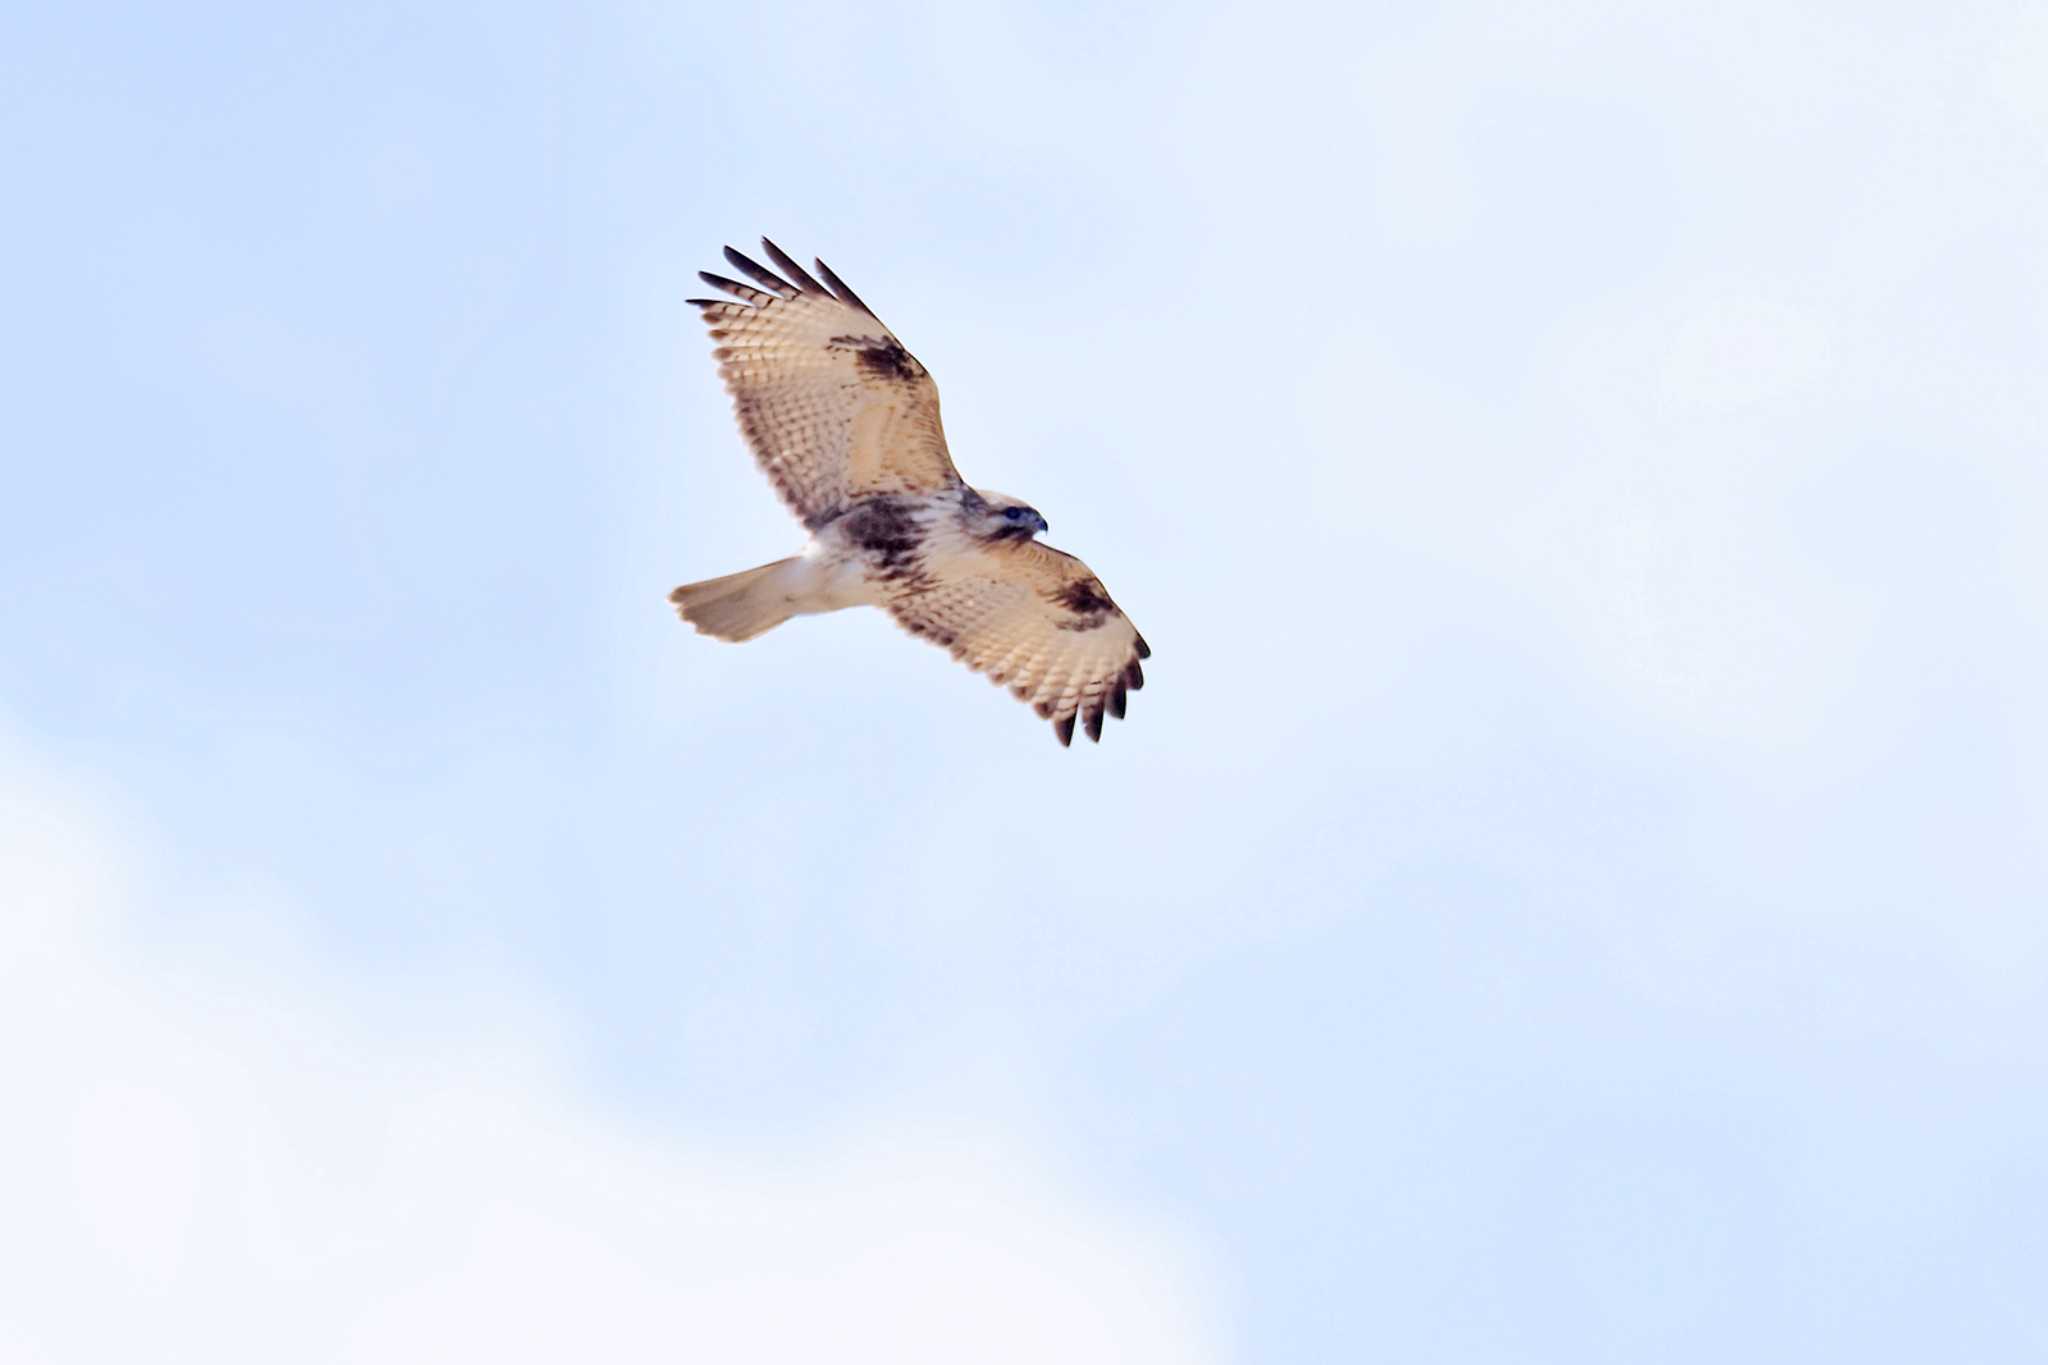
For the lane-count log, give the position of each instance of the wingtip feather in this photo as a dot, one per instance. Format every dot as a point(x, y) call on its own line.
point(758, 273)
point(746, 293)
point(788, 266)
point(840, 291)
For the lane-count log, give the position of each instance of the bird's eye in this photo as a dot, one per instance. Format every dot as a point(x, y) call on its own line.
point(1013, 513)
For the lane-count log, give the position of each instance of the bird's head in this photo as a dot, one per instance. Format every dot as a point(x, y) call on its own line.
point(998, 516)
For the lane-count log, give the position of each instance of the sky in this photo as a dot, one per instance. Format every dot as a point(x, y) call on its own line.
point(1571, 890)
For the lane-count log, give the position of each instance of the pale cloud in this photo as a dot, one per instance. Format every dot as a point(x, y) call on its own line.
point(218, 1154)
point(1658, 474)
point(1575, 872)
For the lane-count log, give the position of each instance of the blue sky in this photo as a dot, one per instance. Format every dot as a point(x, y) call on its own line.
point(1572, 887)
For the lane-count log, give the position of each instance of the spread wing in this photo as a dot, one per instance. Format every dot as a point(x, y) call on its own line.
point(832, 404)
point(1035, 620)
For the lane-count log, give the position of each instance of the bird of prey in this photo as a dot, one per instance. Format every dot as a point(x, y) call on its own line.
point(845, 423)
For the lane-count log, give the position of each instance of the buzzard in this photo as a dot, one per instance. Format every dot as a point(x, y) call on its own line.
point(846, 424)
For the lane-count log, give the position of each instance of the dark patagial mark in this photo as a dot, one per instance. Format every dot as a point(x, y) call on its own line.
point(883, 357)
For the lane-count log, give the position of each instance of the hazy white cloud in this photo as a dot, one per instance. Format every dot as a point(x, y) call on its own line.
point(1820, 204)
point(1575, 872)
point(215, 1155)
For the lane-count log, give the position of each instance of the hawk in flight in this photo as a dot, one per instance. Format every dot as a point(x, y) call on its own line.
point(846, 424)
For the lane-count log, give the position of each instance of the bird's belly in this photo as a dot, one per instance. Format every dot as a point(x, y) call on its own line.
point(839, 577)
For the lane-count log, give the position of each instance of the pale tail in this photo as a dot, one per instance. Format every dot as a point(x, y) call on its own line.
point(738, 606)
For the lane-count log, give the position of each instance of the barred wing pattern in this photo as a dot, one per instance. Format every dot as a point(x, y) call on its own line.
point(1035, 620)
point(833, 405)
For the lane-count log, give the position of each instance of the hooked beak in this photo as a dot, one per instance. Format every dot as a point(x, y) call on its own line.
point(1042, 527)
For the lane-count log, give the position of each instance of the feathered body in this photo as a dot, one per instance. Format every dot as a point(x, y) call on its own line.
point(845, 422)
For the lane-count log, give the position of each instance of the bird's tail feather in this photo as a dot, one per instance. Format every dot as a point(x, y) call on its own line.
point(738, 606)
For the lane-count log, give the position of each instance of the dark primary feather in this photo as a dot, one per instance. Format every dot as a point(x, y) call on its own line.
point(791, 268)
point(760, 274)
point(805, 282)
point(845, 295)
point(735, 288)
